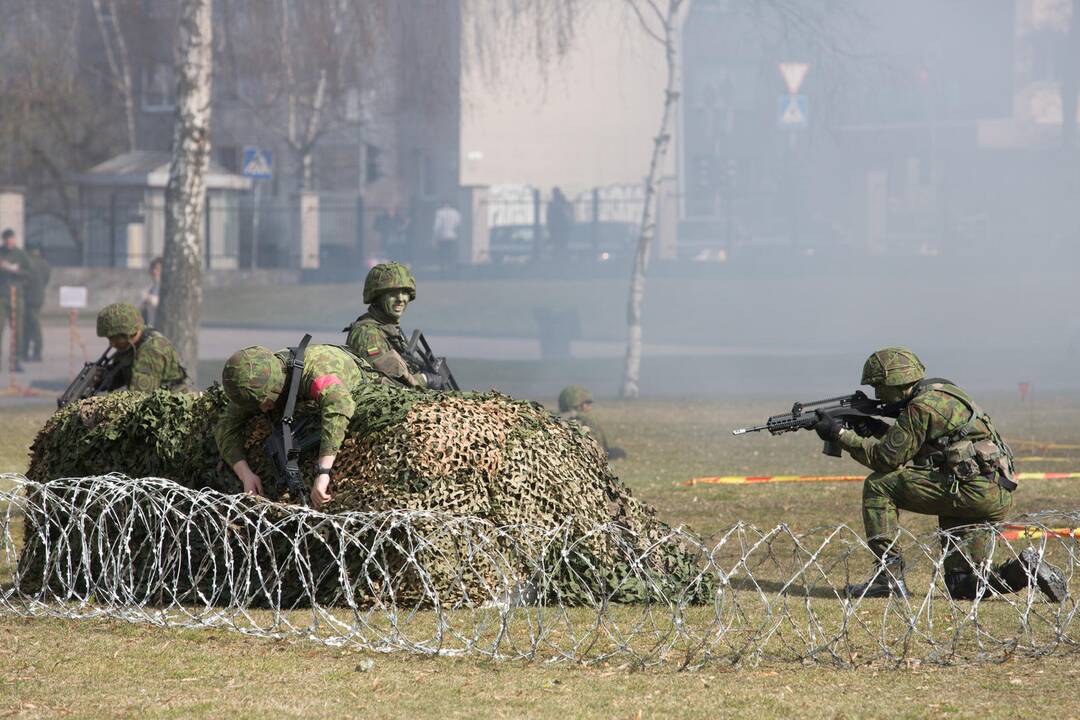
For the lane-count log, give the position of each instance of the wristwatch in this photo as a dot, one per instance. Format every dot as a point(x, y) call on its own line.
point(324, 470)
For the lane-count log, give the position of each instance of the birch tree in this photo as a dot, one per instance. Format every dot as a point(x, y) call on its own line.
point(185, 194)
point(659, 21)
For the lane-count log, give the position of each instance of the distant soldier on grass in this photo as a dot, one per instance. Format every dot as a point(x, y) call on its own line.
point(147, 360)
point(256, 381)
point(943, 456)
point(575, 403)
point(376, 335)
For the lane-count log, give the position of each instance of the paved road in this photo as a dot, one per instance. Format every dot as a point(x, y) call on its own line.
point(65, 352)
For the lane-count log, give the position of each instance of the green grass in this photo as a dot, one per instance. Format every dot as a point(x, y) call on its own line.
point(108, 668)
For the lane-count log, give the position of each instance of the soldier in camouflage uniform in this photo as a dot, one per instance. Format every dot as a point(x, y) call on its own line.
point(147, 359)
point(575, 403)
point(15, 271)
point(943, 456)
point(255, 381)
point(376, 335)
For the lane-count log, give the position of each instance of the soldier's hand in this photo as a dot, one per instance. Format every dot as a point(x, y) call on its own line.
point(320, 491)
point(252, 484)
point(434, 381)
point(827, 427)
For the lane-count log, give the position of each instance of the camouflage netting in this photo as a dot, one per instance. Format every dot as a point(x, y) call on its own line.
point(486, 456)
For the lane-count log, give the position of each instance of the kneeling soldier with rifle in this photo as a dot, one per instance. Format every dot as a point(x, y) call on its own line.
point(376, 335)
point(143, 359)
point(257, 380)
point(942, 456)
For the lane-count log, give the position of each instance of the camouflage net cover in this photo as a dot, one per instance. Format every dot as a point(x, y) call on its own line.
point(151, 551)
point(484, 456)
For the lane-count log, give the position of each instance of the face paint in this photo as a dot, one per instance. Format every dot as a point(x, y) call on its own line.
point(120, 342)
point(394, 302)
point(892, 393)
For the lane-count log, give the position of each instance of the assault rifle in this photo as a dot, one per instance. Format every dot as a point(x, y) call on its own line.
point(305, 434)
point(856, 411)
point(96, 378)
point(419, 353)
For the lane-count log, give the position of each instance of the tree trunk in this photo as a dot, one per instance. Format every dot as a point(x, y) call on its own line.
point(185, 195)
point(632, 366)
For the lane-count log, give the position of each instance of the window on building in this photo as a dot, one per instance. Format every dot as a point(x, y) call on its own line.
point(158, 88)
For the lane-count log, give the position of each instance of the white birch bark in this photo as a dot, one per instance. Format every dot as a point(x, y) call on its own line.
point(185, 195)
point(662, 26)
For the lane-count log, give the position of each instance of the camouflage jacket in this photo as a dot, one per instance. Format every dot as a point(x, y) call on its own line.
point(327, 383)
point(14, 256)
point(588, 423)
point(150, 364)
point(37, 281)
point(378, 339)
point(934, 413)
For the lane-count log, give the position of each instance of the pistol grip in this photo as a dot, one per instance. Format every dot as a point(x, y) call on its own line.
point(831, 448)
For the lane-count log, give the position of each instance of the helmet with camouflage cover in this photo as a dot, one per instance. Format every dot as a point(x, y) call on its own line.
point(388, 276)
point(253, 375)
point(893, 366)
point(119, 319)
point(572, 396)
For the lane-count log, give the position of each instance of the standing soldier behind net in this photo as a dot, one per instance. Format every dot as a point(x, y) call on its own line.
point(376, 335)
point(146, 358)
point(255, 382)
point(36, 282)
point(575, 403)
point(943, 457)
point(15, 269)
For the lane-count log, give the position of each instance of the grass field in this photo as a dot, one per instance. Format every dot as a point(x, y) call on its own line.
point(108, 668)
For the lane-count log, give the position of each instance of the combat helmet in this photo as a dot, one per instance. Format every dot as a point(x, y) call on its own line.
point(572, 396)
point(253, 375)
point(119, 319)
point(893, 366)
point(388, 276)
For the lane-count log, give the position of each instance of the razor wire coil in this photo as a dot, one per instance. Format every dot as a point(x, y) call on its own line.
point(151, 551)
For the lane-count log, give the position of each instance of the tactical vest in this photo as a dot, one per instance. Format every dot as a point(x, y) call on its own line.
point(974, 449)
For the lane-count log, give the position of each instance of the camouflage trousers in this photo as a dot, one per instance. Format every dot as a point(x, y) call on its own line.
point(931, 493)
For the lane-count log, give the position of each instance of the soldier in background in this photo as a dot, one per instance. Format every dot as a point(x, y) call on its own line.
point(14, 272)
point(575, 403)
point(37, 280)
point(147, 359)
point(943, 456)
point(376, 335)
point(255, 380)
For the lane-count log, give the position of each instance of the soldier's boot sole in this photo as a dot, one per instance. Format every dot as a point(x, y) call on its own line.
point(1049, 580)
point(879, 587)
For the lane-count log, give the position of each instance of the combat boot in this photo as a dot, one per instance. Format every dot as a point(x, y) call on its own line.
point(887, 581)
point(1017, 575)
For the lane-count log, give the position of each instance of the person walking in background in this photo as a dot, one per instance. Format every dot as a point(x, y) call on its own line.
point(37, 279)
point(445, 232)
point(149, 305)
point(14, 269)
point(560, 217)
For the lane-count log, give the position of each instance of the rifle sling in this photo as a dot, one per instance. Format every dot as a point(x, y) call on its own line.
point(292, 454)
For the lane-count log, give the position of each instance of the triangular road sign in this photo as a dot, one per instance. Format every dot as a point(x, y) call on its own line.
point(793, 73)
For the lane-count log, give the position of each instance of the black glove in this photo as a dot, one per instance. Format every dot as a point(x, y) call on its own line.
point(434, 381)
point(827, 427)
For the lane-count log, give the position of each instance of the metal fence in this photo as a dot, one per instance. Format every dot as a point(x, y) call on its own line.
point(150, 551)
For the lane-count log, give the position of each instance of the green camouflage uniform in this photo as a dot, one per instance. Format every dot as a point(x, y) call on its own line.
point(909, 475)
point(36, 283)
point(378, 338)
point(17, 280)
point(329, 377)
point(589, 424)
point(149, 364)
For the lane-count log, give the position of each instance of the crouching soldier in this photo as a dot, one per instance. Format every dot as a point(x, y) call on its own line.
point(376, 335)
point(145, 360)
point(943, 456)
point(575, 403)
point(257, 380)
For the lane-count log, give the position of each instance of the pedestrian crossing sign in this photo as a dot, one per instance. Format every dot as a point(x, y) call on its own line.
point(792, 111)
point(258, 163)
